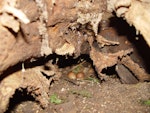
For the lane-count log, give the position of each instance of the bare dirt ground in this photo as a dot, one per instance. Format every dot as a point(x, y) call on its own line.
point(87, 95)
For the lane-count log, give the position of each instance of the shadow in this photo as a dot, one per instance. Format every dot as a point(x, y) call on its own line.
point(66, 60)
point(109, 71)
point(63, 61)
point(17, 67)
point(140, 46)
point(19, 97)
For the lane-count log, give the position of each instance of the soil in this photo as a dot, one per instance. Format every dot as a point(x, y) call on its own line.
point(88, 95)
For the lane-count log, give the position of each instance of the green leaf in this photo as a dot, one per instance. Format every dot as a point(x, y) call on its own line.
point(54, 99)
point(147, 102)
point(94, 80)
point(77, 69)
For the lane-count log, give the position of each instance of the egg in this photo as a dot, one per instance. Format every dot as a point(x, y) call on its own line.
point(80, 76)
point(72, 75)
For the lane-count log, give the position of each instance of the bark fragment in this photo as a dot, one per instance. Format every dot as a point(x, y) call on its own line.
point(136, 69)
point(104, 60)
point(125, 75)
point(32, 80)
point(136, 13)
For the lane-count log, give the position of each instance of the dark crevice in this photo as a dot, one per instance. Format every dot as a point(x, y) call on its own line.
point(19, 97)
point(109, 71)
point(141, 53)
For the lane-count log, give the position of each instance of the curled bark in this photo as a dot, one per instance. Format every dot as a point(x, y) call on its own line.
point(31, 80)
point(135, 12)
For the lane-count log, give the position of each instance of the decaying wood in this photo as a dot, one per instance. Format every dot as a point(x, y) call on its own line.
point(35, 28)
point(104, 60)
point(21, 80)
point(31, 80)
point(31, 37)
point(125, 75)
point(136, 69)
point(136, 13)
point(16, 49)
